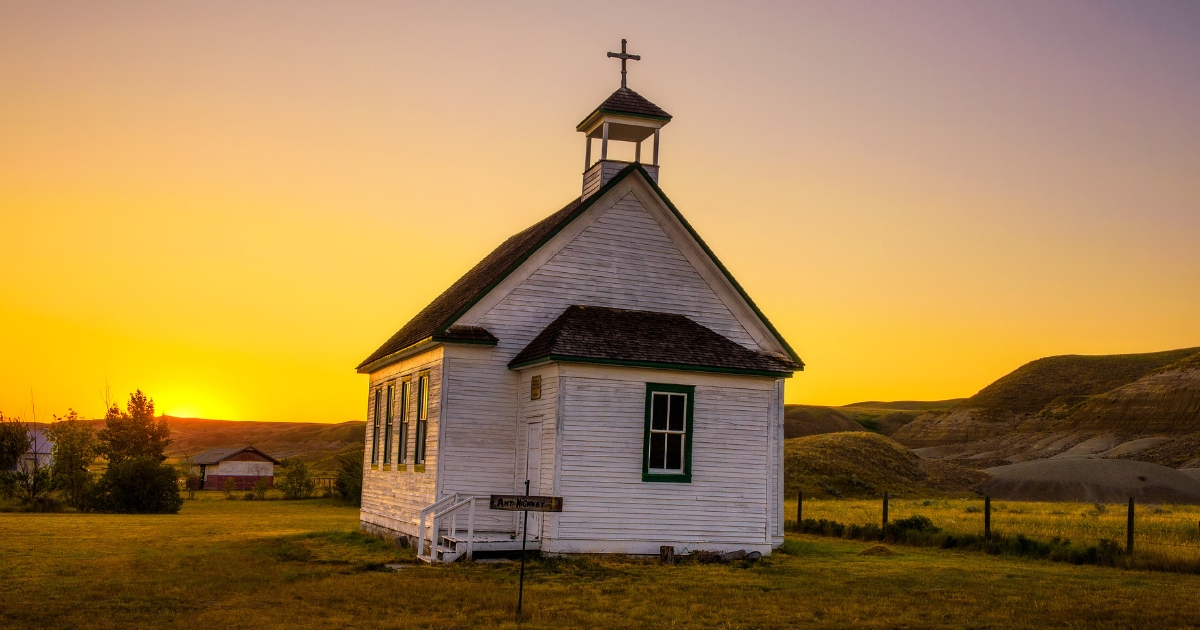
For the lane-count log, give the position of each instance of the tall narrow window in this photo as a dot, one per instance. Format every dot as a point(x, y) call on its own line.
point(405, 388)
point(387, 430)
point(422, 416)
point(375, 429)
point(667, 452)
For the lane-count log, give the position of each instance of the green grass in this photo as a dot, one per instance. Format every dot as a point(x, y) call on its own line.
point(285, 564)
point(1166, 536)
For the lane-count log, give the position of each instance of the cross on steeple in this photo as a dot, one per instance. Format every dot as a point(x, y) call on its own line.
point(624, 56)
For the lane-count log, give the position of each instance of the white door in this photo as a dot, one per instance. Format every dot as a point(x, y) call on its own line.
point(533, 468)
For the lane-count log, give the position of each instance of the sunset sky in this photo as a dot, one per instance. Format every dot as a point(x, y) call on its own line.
point(229, 205)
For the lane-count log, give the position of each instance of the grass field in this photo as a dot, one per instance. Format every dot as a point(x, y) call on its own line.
point(282, 564)
point(1171, 531)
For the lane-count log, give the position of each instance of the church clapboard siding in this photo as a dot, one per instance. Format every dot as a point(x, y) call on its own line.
point(609, 297)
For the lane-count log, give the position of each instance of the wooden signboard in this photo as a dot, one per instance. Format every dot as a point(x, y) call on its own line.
point(521, 503)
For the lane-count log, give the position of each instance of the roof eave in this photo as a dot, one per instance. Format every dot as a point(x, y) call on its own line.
point(649, 364)
point(586, 123)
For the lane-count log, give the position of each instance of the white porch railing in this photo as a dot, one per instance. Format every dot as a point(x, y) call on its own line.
point(447, 507)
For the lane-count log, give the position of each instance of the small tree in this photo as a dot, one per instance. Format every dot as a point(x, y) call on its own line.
point(229, 488)
point(297, 482)
point(14, 443)
point(75, 449)
point(260, 488)
point(183, 470)
point(137, 480)
point(29, 478)
point(348, 484)
point(134, 432)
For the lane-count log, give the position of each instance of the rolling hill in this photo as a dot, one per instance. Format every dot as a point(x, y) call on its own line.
point(884, 418)
point(1129, 406)
point(315, 443)
point(864, 464)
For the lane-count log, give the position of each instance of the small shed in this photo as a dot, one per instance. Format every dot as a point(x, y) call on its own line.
point(245, 465)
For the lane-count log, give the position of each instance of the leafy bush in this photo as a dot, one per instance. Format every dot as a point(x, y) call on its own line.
point(260, 488)
point(297, 483)
point(192, 484)
point(229, 488)
point(249, 496)
point(138, 485)
point(349, 477)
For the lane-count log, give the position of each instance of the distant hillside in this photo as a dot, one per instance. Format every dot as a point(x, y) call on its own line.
point(1041, 395)
point(863, 464)
point(315, 443)
point(878, 417)
point(1131, 406)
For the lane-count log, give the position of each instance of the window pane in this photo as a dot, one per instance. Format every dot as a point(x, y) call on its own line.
point(658, 417)
point(658, 448)
point(674, 451)
point(678, 402)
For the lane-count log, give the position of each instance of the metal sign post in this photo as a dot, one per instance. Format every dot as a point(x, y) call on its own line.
point(524, 536)
point(525, 504)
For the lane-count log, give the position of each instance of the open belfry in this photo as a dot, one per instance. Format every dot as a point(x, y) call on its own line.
point(603, 355)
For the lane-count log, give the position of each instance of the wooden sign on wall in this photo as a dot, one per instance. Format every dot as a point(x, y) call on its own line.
point(521, 503)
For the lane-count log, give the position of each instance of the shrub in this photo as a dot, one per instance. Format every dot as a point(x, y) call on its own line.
point(260, 488)
point(138, 485)
point(297, 483)
point(229, 488)
point(249, 496)
point(349, 477)
point(192, 484)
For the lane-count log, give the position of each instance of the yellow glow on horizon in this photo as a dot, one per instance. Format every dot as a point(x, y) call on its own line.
point(229, 210)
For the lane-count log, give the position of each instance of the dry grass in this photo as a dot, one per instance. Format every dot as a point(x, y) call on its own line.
point(276, 564)
point(1166, 532)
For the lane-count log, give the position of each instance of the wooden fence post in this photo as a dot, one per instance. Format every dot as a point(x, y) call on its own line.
point(799, 507)
point(987, 517)
point(1129, 529)
point(885, 502)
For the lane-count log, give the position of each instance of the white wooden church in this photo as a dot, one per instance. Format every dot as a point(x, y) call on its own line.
point(603, 354)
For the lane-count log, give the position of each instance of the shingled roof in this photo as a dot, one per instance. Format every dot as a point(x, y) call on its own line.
point(216, 455)
point(435, 319)
point(444, 309)
point(626, 101)
point(593, 334)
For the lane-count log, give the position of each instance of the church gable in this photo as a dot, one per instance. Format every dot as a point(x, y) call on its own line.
point(627, 233)
point(622, 259)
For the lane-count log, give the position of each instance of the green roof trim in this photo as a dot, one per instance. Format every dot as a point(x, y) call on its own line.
point(649, 364)
point(477, 342)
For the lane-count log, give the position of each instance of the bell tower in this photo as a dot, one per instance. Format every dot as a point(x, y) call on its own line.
point(625, 116)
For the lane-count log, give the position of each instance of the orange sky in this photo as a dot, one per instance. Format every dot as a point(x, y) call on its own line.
point(228, 206)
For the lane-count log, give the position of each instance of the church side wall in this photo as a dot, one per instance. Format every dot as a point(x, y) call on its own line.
point(394, 495)
point(608, 508)
point(480, 431)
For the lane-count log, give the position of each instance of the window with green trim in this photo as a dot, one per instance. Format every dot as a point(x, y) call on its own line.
point(422, 416)
point(405, 388)
point(375, 428)
point(387, 416)
point(667, 449)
